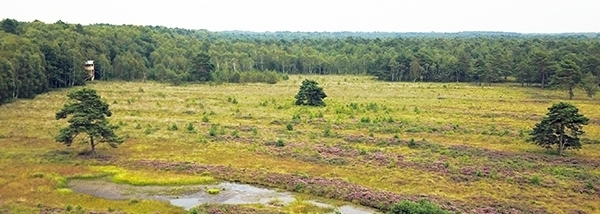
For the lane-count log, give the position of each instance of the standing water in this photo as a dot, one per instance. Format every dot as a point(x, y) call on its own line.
point(194, 195)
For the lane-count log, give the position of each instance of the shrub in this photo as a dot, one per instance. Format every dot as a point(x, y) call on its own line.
point(205, 119)
point(412, 144)
point(190, 127)
point(535, 180)
point(373, 107)
point(365, 119)
point(232, 100)
point(212, 131)
point(589, 185)
point(173, 127)
point(419, 207)
point(289, 127)
point(280, 143)
point(327, 132)
point(148, 131)
point(310, 94)
point(194, 211)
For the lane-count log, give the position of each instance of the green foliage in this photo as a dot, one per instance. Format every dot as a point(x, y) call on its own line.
point(535, 180)
point(54, 53)
point(589, 185)
point(289, 127)
point(173, 127)
point(327, 132)
point(280, 143)
point(202, 68)
point(232, 100)
point(561, 126)
point(420, 207)
point(190, 128)
point(412, 144)
point(567, 76)
point(194, 210)
point(365, 119)
point(589, 83)
point(10, 26)
point(310, 94)
point(213, 191)
point(416, 110)
point(88, 115)
point(213, 131)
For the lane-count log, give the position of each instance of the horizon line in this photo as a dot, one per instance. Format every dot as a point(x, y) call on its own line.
point(342, 31)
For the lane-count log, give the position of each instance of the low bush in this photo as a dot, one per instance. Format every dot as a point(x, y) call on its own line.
point(419, 207)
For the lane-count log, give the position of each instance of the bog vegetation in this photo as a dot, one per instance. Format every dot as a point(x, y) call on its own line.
point(458, 146)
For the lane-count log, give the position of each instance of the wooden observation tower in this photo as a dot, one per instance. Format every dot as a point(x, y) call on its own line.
point(89, 68)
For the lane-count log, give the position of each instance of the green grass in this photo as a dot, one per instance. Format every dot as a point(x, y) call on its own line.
point(450, 141)
point(145, 178)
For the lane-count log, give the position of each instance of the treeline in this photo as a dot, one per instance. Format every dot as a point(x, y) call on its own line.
point(36, 57)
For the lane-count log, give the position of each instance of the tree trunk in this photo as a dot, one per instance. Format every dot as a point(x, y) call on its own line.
point(561, 143)
point(543, 80)
point(93, 146)
point(570, 93)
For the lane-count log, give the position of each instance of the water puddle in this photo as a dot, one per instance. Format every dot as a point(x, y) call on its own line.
point(194, 195)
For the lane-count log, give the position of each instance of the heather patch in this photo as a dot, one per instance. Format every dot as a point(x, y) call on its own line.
point(326, 187)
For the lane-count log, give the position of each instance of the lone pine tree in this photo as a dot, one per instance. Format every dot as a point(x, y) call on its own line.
point(561, 126)
point(88, 115)
point(310, 94)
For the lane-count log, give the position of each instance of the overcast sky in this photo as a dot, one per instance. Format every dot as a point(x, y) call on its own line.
point(525, 16)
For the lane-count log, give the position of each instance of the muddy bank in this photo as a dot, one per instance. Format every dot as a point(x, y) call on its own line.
point(193, 195)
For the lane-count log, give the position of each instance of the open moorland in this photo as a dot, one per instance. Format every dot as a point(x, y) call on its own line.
point(461, 146)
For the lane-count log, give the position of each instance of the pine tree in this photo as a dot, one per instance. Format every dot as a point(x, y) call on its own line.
point(310, 94)
point(562, 126)
point(88, 115)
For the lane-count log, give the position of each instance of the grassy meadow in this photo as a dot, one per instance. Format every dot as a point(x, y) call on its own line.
point(459, 145)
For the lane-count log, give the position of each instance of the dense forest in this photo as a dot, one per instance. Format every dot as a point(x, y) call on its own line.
point(36, 57)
